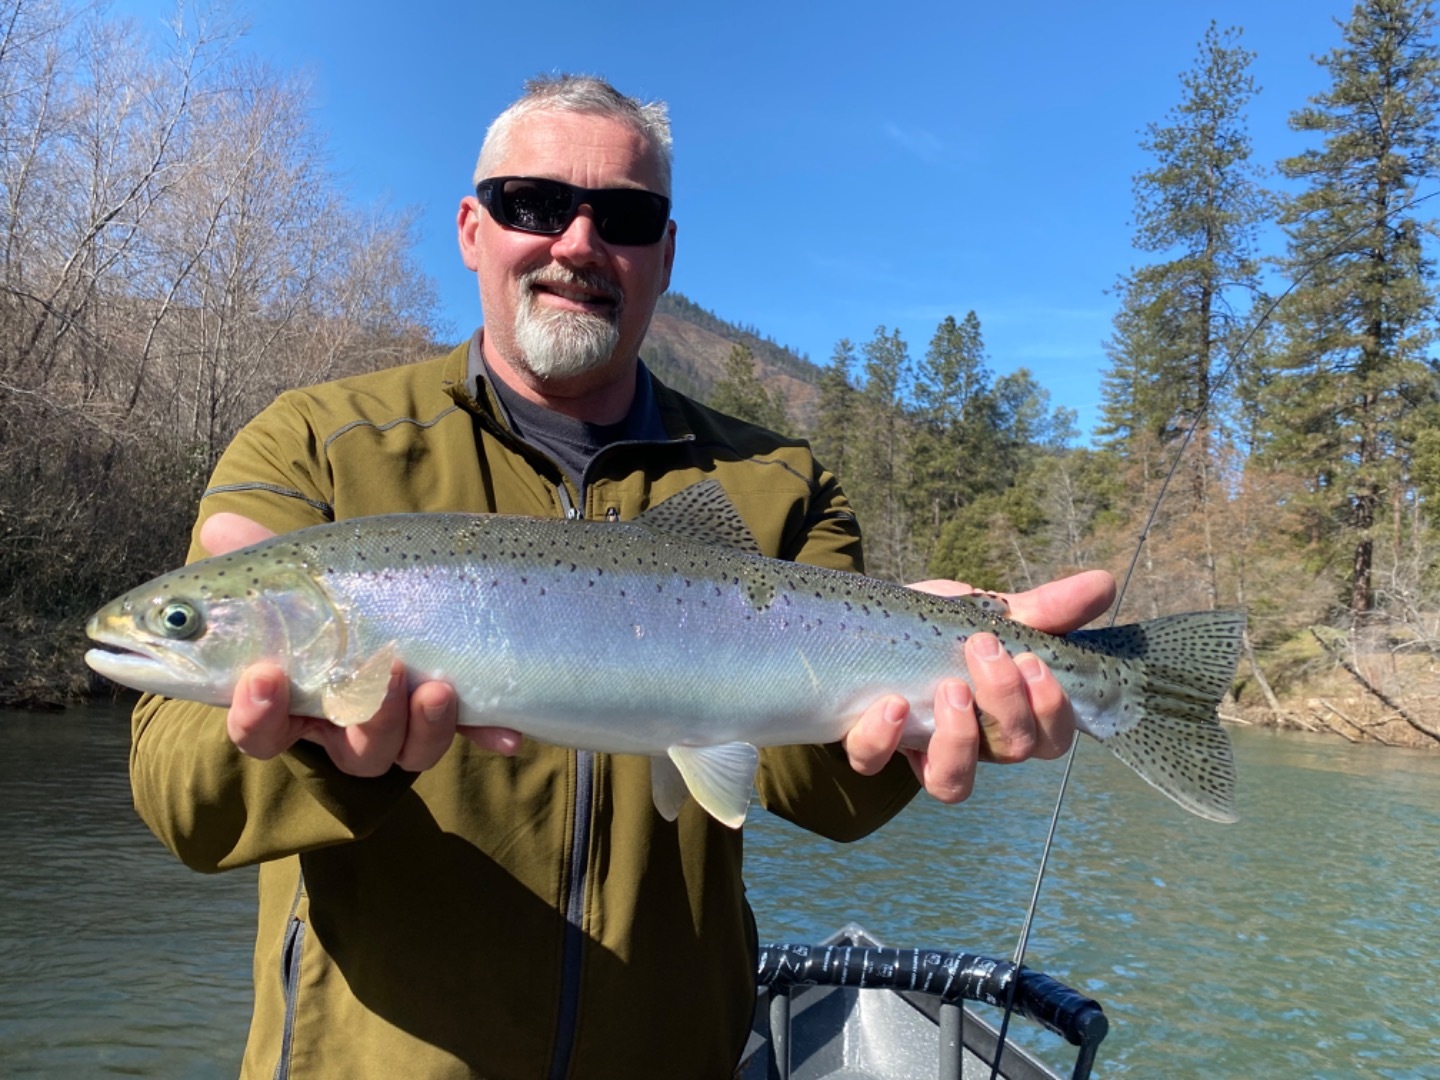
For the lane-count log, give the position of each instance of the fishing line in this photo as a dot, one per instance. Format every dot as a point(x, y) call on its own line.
point(1185, 440)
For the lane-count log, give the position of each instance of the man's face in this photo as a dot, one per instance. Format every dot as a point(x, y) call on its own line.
point(567, 306)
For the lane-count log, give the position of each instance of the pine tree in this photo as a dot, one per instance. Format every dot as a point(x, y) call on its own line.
point(1354, 373)
point(835, 411)
point(740, 393)
point(1199, 205)
point(1025, 422)
point(877, 468)
point(952, 403)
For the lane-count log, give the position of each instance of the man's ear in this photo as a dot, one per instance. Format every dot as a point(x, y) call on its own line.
point(467, 230)
point(669, 242)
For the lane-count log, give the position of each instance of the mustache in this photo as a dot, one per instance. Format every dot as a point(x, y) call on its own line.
point(584, 279)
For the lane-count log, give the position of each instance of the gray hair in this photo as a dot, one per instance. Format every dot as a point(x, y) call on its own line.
point(580, 94)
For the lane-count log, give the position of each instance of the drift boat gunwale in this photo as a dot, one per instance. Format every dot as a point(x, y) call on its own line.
point(806, 1029)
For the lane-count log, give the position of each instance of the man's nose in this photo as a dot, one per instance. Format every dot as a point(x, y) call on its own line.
point(580, 243)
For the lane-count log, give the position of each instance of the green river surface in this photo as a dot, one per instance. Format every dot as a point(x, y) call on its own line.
point(1301, 942)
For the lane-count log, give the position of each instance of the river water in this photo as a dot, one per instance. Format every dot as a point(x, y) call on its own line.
point(1301, 942)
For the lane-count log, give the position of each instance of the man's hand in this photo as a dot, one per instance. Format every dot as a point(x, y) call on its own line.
point(413, 731)
point(1017, 710)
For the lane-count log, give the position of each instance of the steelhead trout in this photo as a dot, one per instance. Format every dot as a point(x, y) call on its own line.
point(669, 636)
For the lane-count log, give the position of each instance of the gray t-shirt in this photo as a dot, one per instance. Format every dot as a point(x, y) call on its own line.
point(572, 444)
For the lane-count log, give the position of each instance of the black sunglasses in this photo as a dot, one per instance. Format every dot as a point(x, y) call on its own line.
point(625, 216)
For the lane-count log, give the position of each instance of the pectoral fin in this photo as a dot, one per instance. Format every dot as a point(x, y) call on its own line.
point(720, 778)
point(667, 787)
point(354, 698)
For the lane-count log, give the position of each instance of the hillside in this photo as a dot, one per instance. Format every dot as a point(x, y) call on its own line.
point(687, 346)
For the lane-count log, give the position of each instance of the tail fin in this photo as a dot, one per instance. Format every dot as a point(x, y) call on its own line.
point(1178, 745)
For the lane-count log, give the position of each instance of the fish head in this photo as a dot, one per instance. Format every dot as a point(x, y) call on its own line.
point(192, 632)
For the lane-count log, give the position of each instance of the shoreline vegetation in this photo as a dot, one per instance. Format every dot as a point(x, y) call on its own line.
point(170, 263)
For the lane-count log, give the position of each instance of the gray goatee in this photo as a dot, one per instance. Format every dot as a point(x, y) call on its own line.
point(560, 344)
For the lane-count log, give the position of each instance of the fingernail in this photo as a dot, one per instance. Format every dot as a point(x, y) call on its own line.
point(896, 711)
point(958, 696)
point(1031, 666)
point(433, 713)
point(987, 647)
point(262, 689)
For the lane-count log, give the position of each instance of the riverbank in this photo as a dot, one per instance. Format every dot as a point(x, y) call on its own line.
point(1383, 694)
point(42, 667)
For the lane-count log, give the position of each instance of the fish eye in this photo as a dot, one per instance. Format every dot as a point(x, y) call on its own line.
point(179, 620)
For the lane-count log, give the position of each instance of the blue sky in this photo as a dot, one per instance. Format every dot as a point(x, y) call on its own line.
point(838, 166)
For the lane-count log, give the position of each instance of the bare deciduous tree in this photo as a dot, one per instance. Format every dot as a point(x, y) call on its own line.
point(172, 256)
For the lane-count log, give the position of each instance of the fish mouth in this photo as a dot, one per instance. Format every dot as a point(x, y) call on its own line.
point(143, 665)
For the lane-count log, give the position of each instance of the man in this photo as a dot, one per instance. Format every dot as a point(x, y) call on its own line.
point(489, 906)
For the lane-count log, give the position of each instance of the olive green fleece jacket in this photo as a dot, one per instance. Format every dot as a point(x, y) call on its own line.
point(416, 925)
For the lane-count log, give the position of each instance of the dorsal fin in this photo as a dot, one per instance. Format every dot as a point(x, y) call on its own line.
point(702, 513)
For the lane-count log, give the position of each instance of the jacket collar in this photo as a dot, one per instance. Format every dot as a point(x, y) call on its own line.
point(653, 414)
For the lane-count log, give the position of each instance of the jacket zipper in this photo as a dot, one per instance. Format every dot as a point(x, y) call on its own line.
point(572, 953)
point(577, 878)
point(290, 988)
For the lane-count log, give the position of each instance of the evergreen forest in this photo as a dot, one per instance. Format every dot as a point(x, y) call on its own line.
point(1270, 367)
